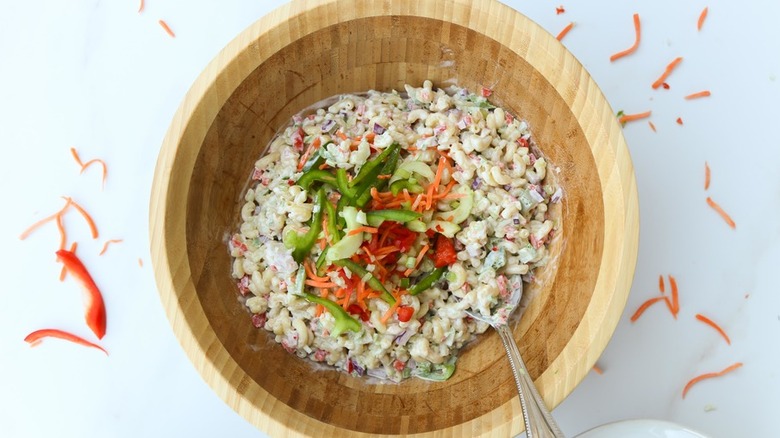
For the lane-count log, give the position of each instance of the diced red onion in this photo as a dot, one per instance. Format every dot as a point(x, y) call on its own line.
point(556, 197)
point(328, 125)
point(379, 129)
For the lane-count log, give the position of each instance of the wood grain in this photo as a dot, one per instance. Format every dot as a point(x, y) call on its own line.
point(309, 50)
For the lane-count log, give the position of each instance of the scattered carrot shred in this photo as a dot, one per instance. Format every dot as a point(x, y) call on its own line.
point(669, 68)
point(140, 262)
point(26, 233)
point(652, 126)
point(64, 271)
point(631, 117)
point(87, 217)
point(661, 285)
point(63, 233)
point(76, 157)
point(644, 307)
point(102, 164)
point(705, 376)
point(704, 93)
point(712, 324)
point(707, 176)
point(559, 10)
point(166, 28)
point(598, 370)
point(105, 245)
point(675, 295)
point(679, 121)
point(565, 31)
point(141, 6)
point(715, 206)
point(702, 17)
point(632, 49)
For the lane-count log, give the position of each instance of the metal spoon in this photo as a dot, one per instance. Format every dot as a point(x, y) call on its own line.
point(538, 420)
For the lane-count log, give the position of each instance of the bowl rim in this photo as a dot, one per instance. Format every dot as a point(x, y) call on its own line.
point(224, 74)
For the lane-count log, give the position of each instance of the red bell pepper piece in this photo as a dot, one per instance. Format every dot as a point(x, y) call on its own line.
point(405, 313)
point(37, 336)
point(93, 299)
point(445, 253)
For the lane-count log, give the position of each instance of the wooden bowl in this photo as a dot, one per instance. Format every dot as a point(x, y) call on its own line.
point(308, 50)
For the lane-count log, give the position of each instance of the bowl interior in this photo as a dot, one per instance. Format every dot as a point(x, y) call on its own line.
point(309, 51)
point(383, 53)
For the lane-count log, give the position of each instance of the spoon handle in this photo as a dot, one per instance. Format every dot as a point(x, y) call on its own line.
point(539, 423)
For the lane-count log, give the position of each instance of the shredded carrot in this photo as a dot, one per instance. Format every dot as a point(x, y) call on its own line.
point(679, 121)
point(140, 262)
point(315, 144)
point(675, 295)
point(651, 126)
point(61, 229)
point(312, 274)
point(670, 306)
point(633, 48)
point(712, 324)
point(598, 370)
point(26, 233)
point(316, 283)
point(341, 135)
point(417, 261)
point(661, 285)
point(644, 307)
point(391, 310)
point(166, 28)
point(436, 181)
point(707, 176)
point(565, 31)
point(559, 10)
point(705, 93)
point(705, 376)
point(102, 164)
point(667, 72)
point(388, 176)
point(320, 308)
point(721, 212)
point(105, 245)
point(363, 229)
point(141, 6)
point(702, 17)
point(76, 157)
point(631, 117)
point(323, 166)
point(64, 271)
point(87, 217)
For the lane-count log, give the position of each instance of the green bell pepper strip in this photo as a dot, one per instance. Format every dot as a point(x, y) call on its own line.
point(364, 193)
point(314, 175)
point(397, 187)
point(373, 282)
point(343, 320)
point(373, 165)
point(321, 260)
point(302, 244)
point(402, 216)
point(332, 224)
point(427, 281)
point(343, 185)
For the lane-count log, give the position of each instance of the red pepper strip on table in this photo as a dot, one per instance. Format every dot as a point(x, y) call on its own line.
point(93, 299)
point(37, 336)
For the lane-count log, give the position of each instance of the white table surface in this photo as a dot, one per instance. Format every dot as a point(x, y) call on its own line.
point(98, 76)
